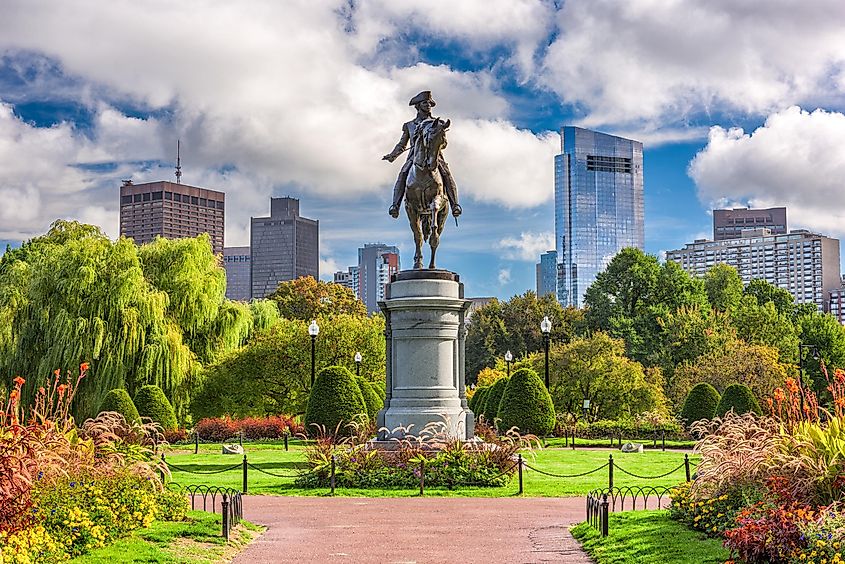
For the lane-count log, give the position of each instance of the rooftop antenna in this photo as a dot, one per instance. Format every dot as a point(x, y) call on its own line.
point(178, 161)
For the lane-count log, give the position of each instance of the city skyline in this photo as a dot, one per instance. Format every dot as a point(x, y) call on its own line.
point(718, 94)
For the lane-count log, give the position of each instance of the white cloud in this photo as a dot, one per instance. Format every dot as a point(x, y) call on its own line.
point(528, 247)
point(328, 266)
point(795, 159)
point(504, 276)
point(657, 62)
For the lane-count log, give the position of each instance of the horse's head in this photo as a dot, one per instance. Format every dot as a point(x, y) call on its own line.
point(432, 140)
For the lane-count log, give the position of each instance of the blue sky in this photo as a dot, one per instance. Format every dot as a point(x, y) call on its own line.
point(736, 104)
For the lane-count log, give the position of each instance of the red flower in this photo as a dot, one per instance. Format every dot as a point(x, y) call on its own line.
point(19, 381)
point(84, 367)
point(41, 390)
point(62, 388)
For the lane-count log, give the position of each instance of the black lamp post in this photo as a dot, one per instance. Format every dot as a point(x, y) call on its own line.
point(313, 330)
point(358, 359)
point(546, 329)
point(508, 360)
point(586, 408)
point(813, 351)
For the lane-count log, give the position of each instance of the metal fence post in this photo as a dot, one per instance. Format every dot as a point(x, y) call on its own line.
point(163, 466)
point(224, 507)
point(686, 466)
point(520, 473)
point(604, 523)
point(574, 430)
point(196, 441)
point(610, 473)
point(286, 439)
point(245, 476)
point(663, 437)
point(333, 470)
point(422, 477)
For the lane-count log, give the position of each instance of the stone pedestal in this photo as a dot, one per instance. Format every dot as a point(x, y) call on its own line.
point(424, 331)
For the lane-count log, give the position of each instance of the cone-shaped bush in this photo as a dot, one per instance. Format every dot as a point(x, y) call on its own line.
point(335, 399)
point(527, 404)
point(701, 403)
point(479, 398)
point(119, 401)
point(740, 398)
point(371, 398)
point(151, 402)
point(494, 398)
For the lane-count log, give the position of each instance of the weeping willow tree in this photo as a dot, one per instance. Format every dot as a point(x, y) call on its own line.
point(139, 316)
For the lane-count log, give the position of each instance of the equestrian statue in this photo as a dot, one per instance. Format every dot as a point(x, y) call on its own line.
point(424, 180)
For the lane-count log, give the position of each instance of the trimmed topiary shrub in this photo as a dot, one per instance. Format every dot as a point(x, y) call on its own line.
point(740, 398)
point(478, 398)
point(371, 398)
point(151, 402)
point(335, 399)
point(119, 401)
point(526, 404)
point(701, 403)
point(494, 398)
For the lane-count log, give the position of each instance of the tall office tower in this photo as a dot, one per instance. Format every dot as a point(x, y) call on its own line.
point(730, 224)
point(376, 263)
point(170, 210)
point(598, 206)
point(236, 263)
point(283, 246)
point(803, 263)
point(547, 274)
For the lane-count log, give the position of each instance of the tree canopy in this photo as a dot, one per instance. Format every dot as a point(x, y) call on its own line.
point(306, 298)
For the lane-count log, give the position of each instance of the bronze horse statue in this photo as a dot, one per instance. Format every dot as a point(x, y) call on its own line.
point(425, 200)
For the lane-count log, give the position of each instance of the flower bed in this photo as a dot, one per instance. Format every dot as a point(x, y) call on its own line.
point(773, 487)
point(219, 429)
point(65, 490)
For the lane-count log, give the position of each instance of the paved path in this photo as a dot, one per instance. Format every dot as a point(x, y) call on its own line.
point(418, 530)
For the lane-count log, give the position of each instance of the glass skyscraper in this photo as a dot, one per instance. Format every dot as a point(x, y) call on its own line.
point(598, 206)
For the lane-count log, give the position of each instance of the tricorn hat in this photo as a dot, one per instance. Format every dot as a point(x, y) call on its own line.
point(424, 95)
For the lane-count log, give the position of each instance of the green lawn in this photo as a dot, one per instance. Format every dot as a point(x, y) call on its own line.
point(649, 537)
point(196, 540)
point(273, 458)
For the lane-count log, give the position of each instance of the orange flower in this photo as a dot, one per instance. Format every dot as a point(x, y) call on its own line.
point(62, 388)
point(84, 367)
point(57, 372)
point(13, 396)
point(19, 381)
point(839, 375)
point(778, 394)
point(792, 386)
point(41, 390)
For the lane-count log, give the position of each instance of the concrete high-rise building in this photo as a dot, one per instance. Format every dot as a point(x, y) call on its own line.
point(283, 246)
point(730, 224)
point(547, 274)
point(598, 206)
point(170, 210)
point(348, 279)
point(803, 263)
point(376, 264)
point(236, 262)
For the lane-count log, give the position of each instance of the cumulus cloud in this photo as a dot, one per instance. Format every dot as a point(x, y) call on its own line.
point(657, 62)
point(795, 159)
point(528, 247)
point(504, 276)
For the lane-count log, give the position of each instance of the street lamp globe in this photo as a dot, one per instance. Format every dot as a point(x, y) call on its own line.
point(546, 325)
point(358, 357)
point(314, 329)
point(508, 356)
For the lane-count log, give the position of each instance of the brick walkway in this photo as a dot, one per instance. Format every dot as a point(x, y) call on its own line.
point(419, 530)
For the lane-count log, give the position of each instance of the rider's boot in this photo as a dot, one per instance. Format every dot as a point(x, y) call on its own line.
point(450, 188)
point(398, 194)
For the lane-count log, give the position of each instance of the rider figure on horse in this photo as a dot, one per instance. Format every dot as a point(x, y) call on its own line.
point(423, 103)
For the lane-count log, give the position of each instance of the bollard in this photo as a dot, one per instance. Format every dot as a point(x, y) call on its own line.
point(422, 477)
point(611, 440)
point(333, 470)
point(224, 508)
point(286, 440)
point(663, 437)
point(520, 473)
point(196, 442)
point(686, 466)
point(604, 524)
point(245, 476)
point(610, 473)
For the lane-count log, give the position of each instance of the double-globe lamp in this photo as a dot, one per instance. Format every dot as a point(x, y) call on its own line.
point(358, 359)
point(313, 330)
point(508, 360)
point(546, 329)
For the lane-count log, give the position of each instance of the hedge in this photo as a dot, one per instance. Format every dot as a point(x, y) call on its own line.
point(151, 402)
point(740, 398)
point(335, 401)
point(701, 403)
point(493, 400)
point(118, 400)
point(527, 404)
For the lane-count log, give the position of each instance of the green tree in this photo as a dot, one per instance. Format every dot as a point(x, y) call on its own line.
point(623, 290)
point(764, 292)
point(335, 401)
point(493, 399)
point(526, 404)
point(272, 373)
point(597, 369)
point(700, 403)
point(120, 402)
point(724, 287)
point(306, 298)
point(371, 399)
point(823, 331)
point(740, 399)
point(151, 402)
point(765, 325)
